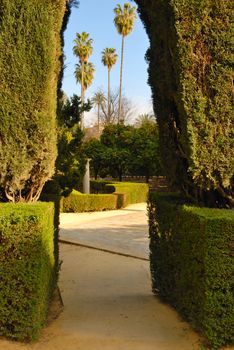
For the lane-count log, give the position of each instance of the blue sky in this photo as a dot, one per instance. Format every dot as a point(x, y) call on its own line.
point(96, 18)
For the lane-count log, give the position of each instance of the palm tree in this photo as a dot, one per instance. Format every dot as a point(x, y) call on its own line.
point(83, 50)
point(124, 22)
point(109, 58)
point(84, 75)
point(145, 119)
point(87, 71)
point(98, 100)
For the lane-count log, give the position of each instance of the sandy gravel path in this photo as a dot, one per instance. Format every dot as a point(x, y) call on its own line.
point(122, 231)
point(108, 304)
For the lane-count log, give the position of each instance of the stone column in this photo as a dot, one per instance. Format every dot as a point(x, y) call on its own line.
point(86, 179)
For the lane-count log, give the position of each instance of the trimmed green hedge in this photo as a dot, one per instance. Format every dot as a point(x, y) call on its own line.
point(135, 192)
point(30, 63)
point(99, 186)
point(78, 202)
point(129, 192)
point(108, 195)
point(28, 267)
point(191, 75)
point(191, 263)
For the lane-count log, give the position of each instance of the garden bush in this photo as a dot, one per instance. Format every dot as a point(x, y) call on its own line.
point(99, 186)
point(28, 267)
point(129, 192)
point(135, 192)
point(30, 64)
point(191, 263)
point(78, 202)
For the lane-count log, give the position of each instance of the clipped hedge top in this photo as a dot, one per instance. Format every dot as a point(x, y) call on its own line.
point(208, 213)
point(211, 213)
point(24, 209)
point(77, 193)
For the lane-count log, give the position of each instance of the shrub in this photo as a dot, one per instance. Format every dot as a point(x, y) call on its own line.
point(29, 64)
point(191, 263)
point(134, 192)
point(191, 76)
point(28, 267)
point(99, 186)
point(78, 202)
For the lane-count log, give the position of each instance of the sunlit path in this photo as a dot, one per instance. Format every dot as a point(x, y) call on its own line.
point(122, 231)
point(108, 304)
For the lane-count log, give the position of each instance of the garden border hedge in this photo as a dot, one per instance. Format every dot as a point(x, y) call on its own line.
point(107, 195)
point(134, 192)
point(78, 202)
point(28, 267)
point(191, 263)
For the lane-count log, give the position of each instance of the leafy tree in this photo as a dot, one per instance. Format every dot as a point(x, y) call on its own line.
point(70, 110)
point(109, 58)
point(95, 151)
point(117, 141)
point(124, 22)
point(126, 150)
point(145, 159)
point(70, 162)
point(83, 50)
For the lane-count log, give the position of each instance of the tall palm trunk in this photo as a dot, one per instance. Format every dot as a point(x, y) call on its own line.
point(98, 118)
point(82, 96)
point(109, 116)
point(120, 119)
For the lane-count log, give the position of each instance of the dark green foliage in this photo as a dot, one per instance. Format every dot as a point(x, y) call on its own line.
point(99, 186)
point(95, 151)
point(191, 263)
point(116, 140)
point(70, 163)
point(78, 202)
point(70, 110)
point(28, 267)
point(145, 155)
point(125, 150)
point(29, 66)
point(191, 76)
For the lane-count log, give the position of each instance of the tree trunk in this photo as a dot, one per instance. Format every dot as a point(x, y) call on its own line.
point(82, 97)
point(120, 119)
point(109, 95)
point(147, 177)
point(98, 118)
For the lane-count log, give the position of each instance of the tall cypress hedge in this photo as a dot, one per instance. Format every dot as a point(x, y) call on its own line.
point(191, 75)
point(30, 46)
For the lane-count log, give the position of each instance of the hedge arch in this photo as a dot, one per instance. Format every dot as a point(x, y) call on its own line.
point(190, 73)
point(191, 76)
